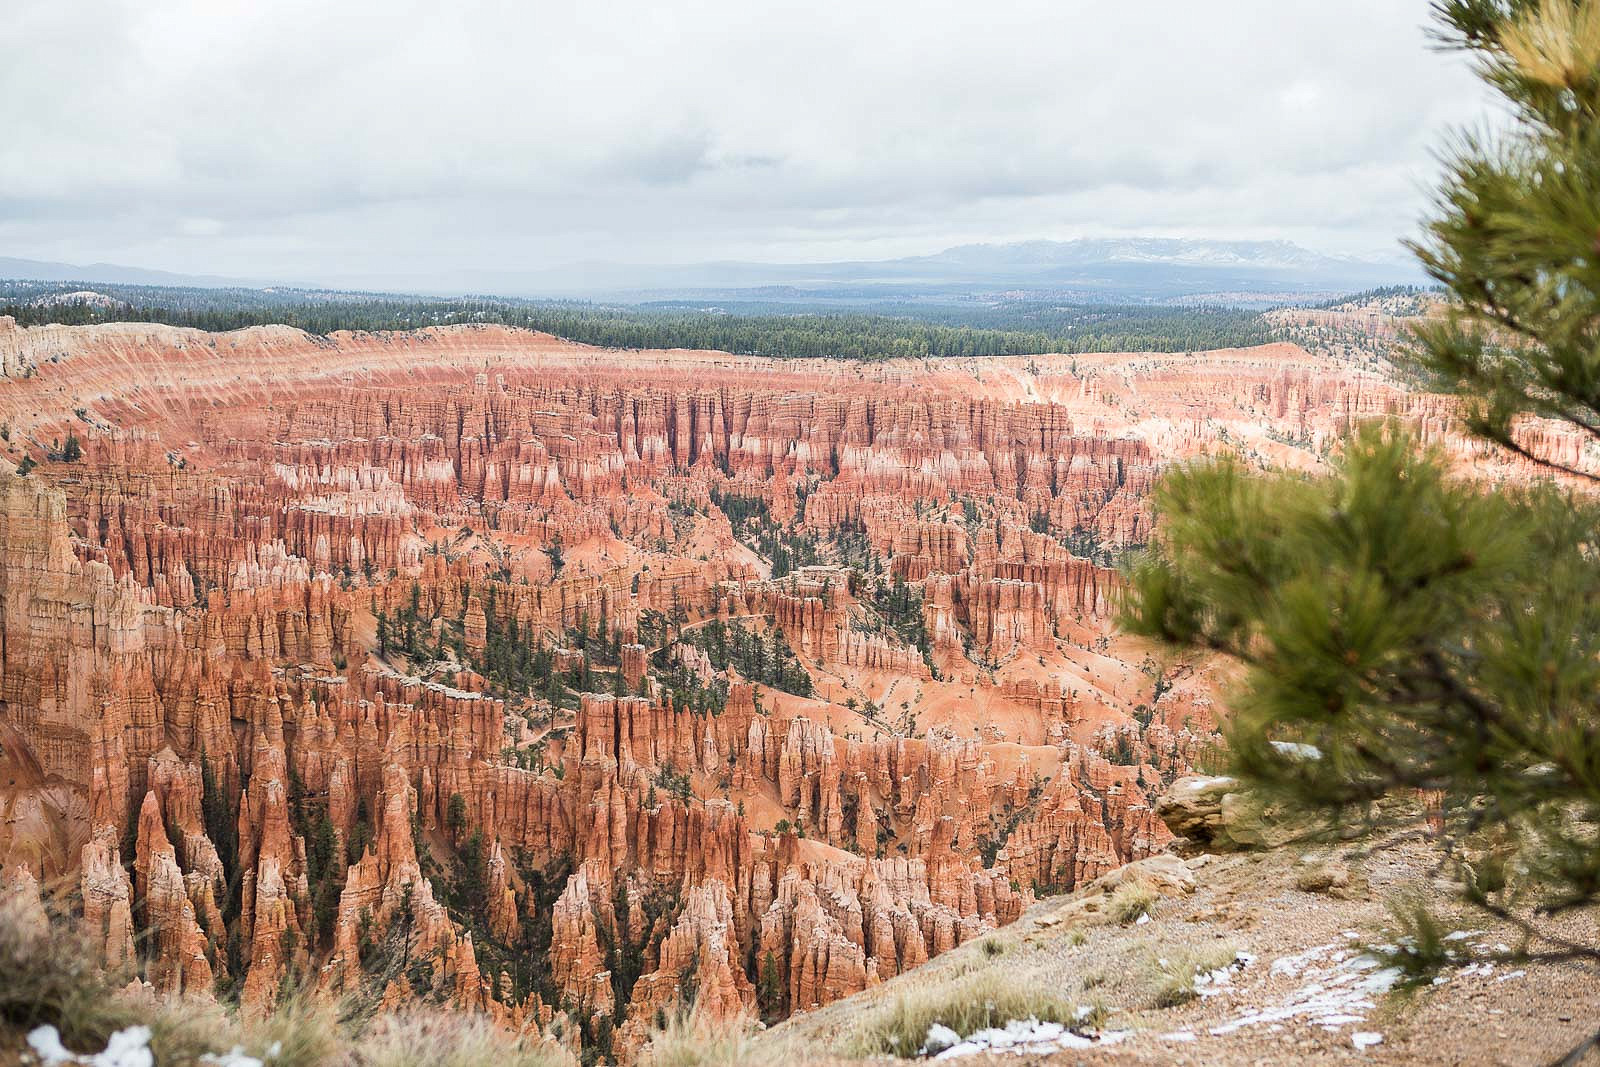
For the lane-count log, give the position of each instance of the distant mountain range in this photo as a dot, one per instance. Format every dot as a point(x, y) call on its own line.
point(1048, 255)
point(1132, 268)
point(44, 271)
point(1154, 269)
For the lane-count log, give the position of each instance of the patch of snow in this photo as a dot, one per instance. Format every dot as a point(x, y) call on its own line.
point(1213, 982)
point(1292, 966)
point(129, 1047)
point(1028, 1037)
point(1180, 1035)
point(1510, 975)
point(1141, 920)
point(940, 1037)
point(46, 1044)
point(1337, 990)
point(239, 1058)
point(1366, 1039)
point(1296, 750)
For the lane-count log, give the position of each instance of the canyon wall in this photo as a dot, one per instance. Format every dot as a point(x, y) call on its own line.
point(473, 666)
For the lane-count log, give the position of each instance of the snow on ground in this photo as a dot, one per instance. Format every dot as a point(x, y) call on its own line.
point(125, 1048)
point(239, 1058)
point(1338, 985)
point(1333, 986)
point(1214, 982)
point(1019, 1037)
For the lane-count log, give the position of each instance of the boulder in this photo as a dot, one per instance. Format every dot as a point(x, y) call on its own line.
point(1192, 807)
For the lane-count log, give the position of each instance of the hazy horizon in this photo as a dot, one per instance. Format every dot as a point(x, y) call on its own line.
point(335, 142)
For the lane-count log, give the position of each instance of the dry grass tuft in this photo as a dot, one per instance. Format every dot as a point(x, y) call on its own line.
point(1096, 1017)
point(302, 1031)
point(989, 997)
point(183, 1032)
point(305, 1030)
point(50, 979)
point(444, 1039)
point(1172, 977)
point(1130, 901)
point(693, 1039)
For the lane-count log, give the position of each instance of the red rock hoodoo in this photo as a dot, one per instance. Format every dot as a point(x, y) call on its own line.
point(565, 684)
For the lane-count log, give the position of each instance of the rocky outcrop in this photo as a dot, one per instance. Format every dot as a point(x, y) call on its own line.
point(179, 948)
point(1192, 807)
point(107, 901)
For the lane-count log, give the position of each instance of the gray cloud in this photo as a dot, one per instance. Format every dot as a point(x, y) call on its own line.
point(316, 138)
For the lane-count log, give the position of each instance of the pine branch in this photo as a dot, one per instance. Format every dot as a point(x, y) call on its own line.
point(1507, 442)
point(1578, 1052)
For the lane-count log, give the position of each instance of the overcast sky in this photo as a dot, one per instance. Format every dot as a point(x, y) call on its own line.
point(325, 139)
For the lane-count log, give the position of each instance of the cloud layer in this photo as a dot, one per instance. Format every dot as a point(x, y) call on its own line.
point(335, 139)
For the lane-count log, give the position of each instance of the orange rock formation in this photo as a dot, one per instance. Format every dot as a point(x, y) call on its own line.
point(400, 664)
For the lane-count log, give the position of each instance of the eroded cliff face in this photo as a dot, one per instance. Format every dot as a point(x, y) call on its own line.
point(477, 667)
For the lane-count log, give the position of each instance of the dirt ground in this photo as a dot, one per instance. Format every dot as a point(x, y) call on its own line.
point(1302, 990)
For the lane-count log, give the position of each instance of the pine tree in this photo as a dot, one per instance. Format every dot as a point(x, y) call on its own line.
point(1403, 629)
point(1516, 240)
point(769, 989)
point(220, 818)
point(455, 817)
point(472, 880)
point(327, 876)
